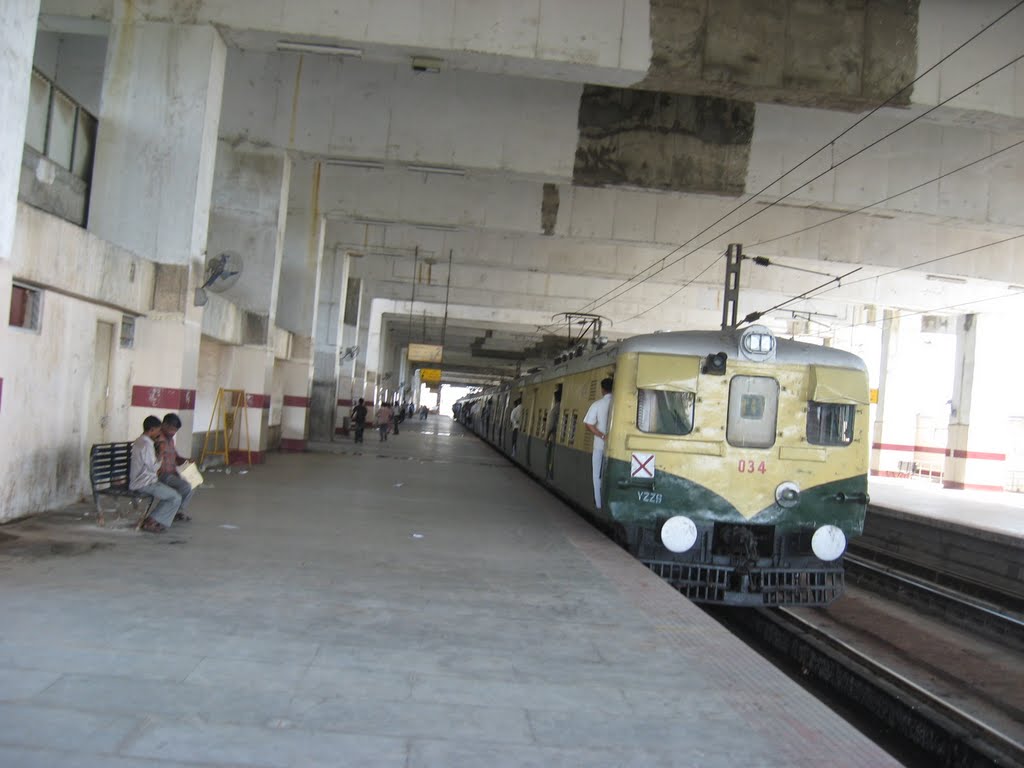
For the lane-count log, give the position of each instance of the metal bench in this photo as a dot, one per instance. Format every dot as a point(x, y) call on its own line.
point(109, 470)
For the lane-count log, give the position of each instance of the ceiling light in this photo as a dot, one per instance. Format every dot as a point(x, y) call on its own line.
point(326, 50)
point(436, 169)
point(426, 64)
point(946, 279)
point(374, 164)
point(439, 227)
point(374, 222)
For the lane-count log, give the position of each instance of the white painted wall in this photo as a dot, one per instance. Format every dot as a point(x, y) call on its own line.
point(48, 374)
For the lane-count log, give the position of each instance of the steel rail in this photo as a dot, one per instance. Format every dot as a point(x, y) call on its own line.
point(947, 735)
point(966, 611)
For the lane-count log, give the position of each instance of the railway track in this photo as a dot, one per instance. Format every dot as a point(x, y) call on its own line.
point(941, 734)
point(992, 616)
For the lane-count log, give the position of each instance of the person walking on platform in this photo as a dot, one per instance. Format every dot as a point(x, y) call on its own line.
point(596, 422)
point(359, 419)
point(144, 468)
point(384, 417)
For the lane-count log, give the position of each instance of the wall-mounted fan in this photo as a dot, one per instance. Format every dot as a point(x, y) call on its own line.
point(222, 271)
point(349, 353)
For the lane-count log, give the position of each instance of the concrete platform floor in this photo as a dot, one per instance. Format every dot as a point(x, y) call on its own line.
point(420, 603)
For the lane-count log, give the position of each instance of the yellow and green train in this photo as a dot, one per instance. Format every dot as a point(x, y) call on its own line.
point(735, 465)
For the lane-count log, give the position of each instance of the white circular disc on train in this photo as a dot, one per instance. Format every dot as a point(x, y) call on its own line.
point(678, 534)
point(828, 543)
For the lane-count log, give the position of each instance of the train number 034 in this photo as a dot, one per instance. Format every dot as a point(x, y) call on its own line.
point(749, 465)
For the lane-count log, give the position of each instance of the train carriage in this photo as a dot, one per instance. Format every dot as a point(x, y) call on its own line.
point(735, 462)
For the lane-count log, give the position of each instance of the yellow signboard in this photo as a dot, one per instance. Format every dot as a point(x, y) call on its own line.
point(430, 375)
point(425, 353)
point(874, 395)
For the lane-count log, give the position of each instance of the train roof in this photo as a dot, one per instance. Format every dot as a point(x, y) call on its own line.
point(696, 343)
point(703, 343)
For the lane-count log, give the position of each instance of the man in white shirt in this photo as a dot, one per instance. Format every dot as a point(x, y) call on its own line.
point(596, 422)
point(516, 418)
point(143, 478)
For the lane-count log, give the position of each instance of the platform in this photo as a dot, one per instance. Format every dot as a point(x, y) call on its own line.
point(415, 603)
point(999, 513)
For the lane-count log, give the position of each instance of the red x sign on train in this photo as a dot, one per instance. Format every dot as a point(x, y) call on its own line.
point(642, 466)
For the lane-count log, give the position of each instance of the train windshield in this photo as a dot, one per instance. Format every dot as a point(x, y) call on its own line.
point(753, 407)
point(664, 413)
point(830, 423)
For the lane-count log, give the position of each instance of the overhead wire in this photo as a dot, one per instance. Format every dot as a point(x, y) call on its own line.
point(1009, 295)
point(626, 284)
point(890, 197)
point(905, 268)
point(775, 202)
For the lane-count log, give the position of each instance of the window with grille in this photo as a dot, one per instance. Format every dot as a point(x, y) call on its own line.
point(830, 423)
point(664, 413)
point(26, 307)
point(127, 332)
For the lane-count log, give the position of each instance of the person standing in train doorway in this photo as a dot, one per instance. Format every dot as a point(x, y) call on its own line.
point(516, 419)
point(596, 422)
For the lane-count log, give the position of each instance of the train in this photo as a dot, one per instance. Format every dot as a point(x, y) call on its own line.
point(735, 462)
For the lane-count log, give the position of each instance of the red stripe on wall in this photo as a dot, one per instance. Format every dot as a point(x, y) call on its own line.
point(291, 445)
point(907, 448)
point(887, 473)
point(164, 398)
point(341, 402)
point(296, 401)
point(242, 457)
point(257, 401)
point(958, 454)
point(954, 485)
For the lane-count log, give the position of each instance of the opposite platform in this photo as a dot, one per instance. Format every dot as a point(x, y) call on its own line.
point(998, 513)
point(418, 603)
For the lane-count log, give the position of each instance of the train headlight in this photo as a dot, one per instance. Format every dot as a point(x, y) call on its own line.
point(678, 534)
point(828, 543)
point(787, 495)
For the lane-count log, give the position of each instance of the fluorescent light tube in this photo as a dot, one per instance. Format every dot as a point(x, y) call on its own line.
point(946, 279)
point(321, 48)
point(375, 164)
point(436, 169)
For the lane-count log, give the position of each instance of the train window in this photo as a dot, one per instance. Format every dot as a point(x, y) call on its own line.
point(830, 423)
point(753, 408)
point(572, 427)
point(664, 413)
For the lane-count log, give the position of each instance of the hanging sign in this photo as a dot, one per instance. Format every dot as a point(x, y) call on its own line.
point(430, 375)
point(425, 353)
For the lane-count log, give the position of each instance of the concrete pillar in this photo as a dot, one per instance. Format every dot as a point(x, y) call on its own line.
point(328, 344)
point(301, 269)
point(250, 204)
point(374, 353)
point(982, 396)
point(18, 19)
point(347, 396)
point(151, 189)
point(892, 446)
point(362, 383)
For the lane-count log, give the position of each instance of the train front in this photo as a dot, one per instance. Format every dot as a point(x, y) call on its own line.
point(737, 464)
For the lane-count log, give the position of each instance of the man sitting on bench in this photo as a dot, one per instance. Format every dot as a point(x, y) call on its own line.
point(145, 465)
point(170, 461)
